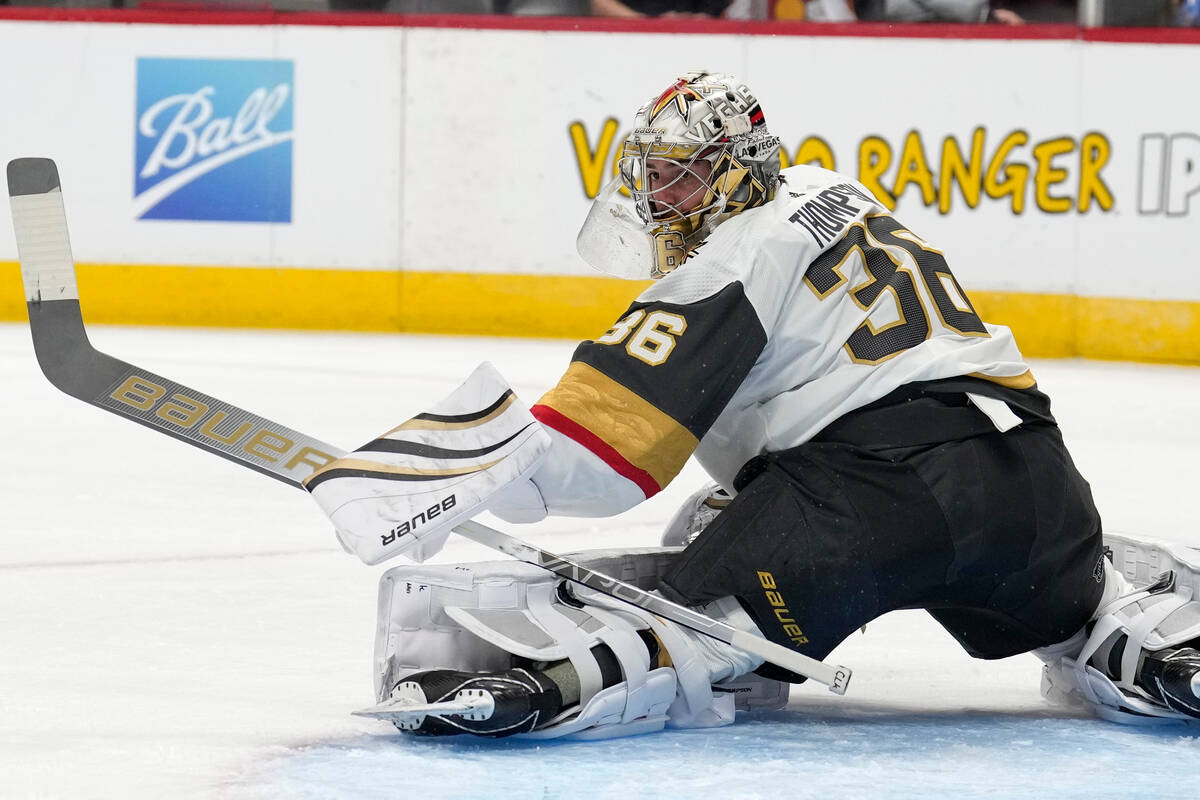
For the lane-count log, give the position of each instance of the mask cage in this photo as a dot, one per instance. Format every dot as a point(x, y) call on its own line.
point(634, 167)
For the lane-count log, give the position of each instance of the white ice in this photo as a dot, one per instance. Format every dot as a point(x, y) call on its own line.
point(172, 625)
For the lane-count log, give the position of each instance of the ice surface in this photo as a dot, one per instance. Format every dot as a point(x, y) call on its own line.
point(172, 625)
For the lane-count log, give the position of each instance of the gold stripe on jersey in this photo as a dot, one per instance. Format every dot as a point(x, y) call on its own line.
point(644, 436)
point(1023, 381)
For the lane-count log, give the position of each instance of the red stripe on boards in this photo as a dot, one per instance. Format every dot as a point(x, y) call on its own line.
point(597, 446)
point(259, 12)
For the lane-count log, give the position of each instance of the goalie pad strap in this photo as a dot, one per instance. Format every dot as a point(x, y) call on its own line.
point(1139, 632)
point(694, 705)
point(548, 629)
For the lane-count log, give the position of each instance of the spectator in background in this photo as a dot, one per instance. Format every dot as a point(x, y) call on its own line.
point(830, 11)
point(812, 10)
point(1187, 13)
point(1064, 12)
point(678, 9)
point(937, 11)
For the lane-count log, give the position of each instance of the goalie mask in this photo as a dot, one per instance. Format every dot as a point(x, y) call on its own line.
point(699, 153)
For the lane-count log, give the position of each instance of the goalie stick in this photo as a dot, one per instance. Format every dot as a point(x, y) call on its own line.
point(72, 364)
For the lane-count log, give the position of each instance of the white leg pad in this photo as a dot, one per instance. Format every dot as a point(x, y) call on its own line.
point(1149, 621)
point(477, 617)
point(1141, 560)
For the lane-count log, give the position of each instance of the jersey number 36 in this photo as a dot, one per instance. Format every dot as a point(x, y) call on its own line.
point(654, 338)
point(901, 266)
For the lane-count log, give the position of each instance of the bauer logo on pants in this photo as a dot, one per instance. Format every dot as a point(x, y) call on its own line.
point(213, 140)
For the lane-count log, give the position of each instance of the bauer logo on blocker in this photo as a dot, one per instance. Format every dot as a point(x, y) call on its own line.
point(213, 140)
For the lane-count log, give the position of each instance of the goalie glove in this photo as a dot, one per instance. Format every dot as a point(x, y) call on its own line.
point(403, 493)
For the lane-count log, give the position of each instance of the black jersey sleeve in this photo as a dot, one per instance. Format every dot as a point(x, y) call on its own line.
point(642, 395)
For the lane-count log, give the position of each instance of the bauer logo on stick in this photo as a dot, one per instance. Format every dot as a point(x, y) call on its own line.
point(213, 139)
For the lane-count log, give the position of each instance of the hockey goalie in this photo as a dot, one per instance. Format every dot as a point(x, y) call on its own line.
point(874, 445)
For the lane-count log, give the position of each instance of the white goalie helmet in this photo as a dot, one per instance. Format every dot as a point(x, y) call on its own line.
point(699, 153)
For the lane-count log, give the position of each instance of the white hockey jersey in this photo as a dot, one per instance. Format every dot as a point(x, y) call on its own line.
point(787, 317)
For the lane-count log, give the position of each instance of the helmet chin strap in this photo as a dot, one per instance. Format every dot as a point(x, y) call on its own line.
point(690, 237)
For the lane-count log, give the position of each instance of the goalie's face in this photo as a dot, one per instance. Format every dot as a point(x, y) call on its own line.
point(676, 189)
point(670, 184)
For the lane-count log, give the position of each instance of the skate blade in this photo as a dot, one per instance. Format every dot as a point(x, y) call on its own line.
point(405, 713)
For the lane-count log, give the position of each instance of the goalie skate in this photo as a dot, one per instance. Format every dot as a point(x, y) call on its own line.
point(488, 704)
point(407, 708)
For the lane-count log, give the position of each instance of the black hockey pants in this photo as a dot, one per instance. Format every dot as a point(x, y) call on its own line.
point(916, 501)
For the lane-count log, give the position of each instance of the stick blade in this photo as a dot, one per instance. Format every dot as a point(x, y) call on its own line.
point(32, 176)
point(40, 224)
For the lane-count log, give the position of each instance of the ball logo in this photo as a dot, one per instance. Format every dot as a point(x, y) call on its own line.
point(214, 140)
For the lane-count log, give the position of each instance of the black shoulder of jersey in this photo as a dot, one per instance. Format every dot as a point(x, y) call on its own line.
point(710, 344)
